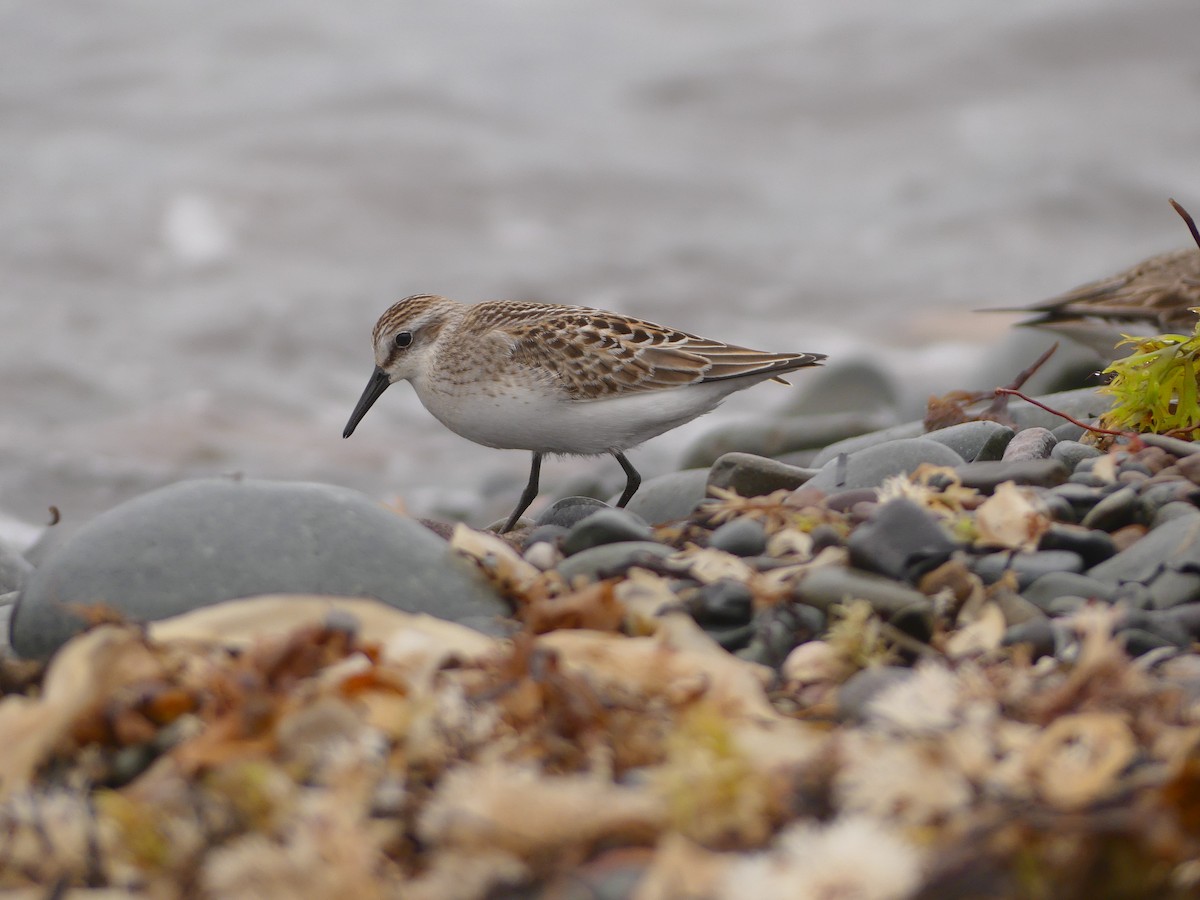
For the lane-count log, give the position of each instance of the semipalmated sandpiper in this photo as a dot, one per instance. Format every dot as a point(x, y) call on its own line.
point(1156, 296)
point(557, 379)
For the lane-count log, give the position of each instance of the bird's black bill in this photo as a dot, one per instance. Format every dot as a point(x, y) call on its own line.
point(377, 385)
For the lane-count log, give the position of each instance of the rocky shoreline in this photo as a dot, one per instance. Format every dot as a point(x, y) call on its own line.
point(905, 663)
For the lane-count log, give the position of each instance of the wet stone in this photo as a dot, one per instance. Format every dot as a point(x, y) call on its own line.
point(671, 497)
point(1030, 444)
point(741, 537)
point(1189, 465)
point(1138, 641)
point(1066, 605)
point(915, 621)
point(1158, 622)
point(1187, 616)
point(1174, 446)
point(1159, 493)
point(779, 629)
point(722, 603)
point(774, 436)
point(608, 560)
point(1028, 567)
point(1042, 591)
point(605, 526)
point(908, 430)
point(1038, 633)
point(972, 441)
point(1081, 497)
point(824, 536)
point(201, 542)
point(1093, 547)
point(569, 511)
point(901, 540)
point(547, 534)
point(1071, 453)
point(823, 587)
point(1175, 510)
point(1118, 509)
point(1069, 432)
point(985, 476)
point(871, 466)
point(755, 476)
point(1175, 545)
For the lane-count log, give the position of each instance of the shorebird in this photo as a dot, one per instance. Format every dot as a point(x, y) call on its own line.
point(557, 379)
point(1158, 295)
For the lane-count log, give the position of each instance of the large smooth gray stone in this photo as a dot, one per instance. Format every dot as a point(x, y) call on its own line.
point(754, 476)
point(201, 542)
point(870, 466)
point(774, 436)
point(669, 497)
point(1174, 545)
point(982, 440)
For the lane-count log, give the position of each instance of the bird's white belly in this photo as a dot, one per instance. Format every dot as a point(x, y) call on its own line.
point(519, 420)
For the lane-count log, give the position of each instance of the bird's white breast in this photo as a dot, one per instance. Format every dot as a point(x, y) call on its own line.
point(517, 417)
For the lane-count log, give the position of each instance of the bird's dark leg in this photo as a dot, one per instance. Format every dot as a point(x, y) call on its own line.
point(528, 495)
point(634, 479)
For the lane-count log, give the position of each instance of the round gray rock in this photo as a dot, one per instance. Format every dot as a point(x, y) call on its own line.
point(870, 466)
point(669, 497)
point(201, 542)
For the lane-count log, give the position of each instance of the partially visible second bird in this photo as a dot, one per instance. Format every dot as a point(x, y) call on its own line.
point(557, 379)
point(1156, 296)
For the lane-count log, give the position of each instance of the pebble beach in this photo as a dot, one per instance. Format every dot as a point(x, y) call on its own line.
point(886, 634)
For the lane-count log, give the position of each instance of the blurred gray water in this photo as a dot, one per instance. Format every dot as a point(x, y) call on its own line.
point(205, 205)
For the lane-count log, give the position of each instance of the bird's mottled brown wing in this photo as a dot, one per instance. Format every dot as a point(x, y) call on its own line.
point(1159, 291)
point(595, 354)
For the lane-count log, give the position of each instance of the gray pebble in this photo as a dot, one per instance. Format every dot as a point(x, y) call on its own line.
point(871, 466)
point(985, 476)
point(1032, 443)
point(1072, 453)
point(1174, 546)
point(569, 510)
point(1093, 547)
point(723, 603)
point(741, 537)
point(775, 436)
point(605, 526)
point(1138, 641)
point(548, 534)
point(607, 560)
point(754, 476)
point(982, 440)
point(823, 587)
point(1174, 510)
point(1028, 567)
point(671, 497)
point(873, 439)
point(1045, 589)
point(901, 540)
point(779, 629)
point(1038, 633)
point(1116, 510)
point(1069, 433)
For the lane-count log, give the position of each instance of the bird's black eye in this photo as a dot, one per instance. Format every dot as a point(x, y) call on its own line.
point(403, 339)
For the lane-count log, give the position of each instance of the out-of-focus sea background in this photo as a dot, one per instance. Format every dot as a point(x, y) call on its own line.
point(204, 206)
